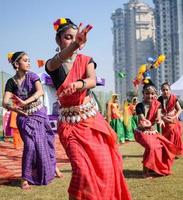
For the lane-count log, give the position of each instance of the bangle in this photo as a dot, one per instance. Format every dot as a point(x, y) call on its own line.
point(35, 97)
point(58, 57)
point(84, 83)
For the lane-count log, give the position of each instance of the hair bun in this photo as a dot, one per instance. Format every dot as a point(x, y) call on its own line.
point(10, 55)
point(61, 23)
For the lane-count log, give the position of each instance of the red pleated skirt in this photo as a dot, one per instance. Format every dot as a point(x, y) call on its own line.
point(97, 172)
point(159, 153)
point(173, 132)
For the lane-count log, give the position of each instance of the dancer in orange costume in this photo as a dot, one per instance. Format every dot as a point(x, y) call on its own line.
point(115, 117)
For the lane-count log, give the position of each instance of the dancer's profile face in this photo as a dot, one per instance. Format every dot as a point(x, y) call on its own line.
point(166, 91)
point(116, 99)
point(67, 37)
point(24, 63)
point(149, 95)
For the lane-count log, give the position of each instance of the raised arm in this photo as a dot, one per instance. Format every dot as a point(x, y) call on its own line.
point(78, 43)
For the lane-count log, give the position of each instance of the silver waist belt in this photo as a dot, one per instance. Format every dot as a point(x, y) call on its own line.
point(75, 114)
point(33, 107)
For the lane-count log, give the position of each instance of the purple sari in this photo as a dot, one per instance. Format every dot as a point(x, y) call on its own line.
point(38, 161)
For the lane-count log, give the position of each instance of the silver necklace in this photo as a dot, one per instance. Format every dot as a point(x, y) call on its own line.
point(68, 60)
point(71, 59)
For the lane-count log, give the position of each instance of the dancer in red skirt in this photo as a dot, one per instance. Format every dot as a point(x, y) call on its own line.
point(171, 110)
point(90, 143)
point(159, 152)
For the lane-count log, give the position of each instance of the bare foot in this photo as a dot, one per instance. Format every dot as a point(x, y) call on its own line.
point(147, 176)
point(58, 173)
point(25, 185)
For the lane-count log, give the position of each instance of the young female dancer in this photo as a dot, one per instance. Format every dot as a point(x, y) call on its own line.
point(89, 141)
point(24, 89)
point(114, 118)
point(171, 110)
point(159, 152)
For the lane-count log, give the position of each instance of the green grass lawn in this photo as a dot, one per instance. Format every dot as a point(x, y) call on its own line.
point(160, 188)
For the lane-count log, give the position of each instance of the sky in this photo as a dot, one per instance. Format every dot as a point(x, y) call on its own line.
point(27, 25)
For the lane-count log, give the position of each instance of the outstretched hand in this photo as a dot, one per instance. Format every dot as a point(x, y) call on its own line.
point(81, 35)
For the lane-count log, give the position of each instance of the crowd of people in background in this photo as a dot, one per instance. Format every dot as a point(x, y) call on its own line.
point(154, 123)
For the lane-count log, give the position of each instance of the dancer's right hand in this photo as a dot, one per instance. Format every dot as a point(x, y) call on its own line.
point(19, 111)
point(81, 35)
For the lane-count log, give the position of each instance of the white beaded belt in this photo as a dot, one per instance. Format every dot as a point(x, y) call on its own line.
point(75, 114)
point(171, 113)
point(33, 107)
point(148, 132)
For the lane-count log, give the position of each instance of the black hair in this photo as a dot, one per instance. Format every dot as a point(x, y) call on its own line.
point(16, 57)
point(147, 85)
point(165, 83)
point(63, 27)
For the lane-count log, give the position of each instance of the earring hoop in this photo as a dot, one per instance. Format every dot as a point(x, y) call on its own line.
point(57, 49)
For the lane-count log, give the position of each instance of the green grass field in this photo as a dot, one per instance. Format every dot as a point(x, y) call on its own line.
point(160, 188)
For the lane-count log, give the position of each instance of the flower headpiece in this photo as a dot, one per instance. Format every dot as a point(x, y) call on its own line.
point(62, 23)
point(14, 56)
point(10, 55)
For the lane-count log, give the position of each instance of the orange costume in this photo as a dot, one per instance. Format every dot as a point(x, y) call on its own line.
point(90, 144)
point(17, 141)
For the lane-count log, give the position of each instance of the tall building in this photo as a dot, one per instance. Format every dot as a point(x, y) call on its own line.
point(169, 39)
point(133, 41)
point(119, 54)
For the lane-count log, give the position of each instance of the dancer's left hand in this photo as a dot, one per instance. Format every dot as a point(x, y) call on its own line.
point(19, 102)
point(160, 122)
point(70, 89)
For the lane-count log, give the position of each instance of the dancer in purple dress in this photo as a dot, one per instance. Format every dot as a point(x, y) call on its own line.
point(25, 90)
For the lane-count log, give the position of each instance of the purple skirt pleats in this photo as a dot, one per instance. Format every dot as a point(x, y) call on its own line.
point(38, 161)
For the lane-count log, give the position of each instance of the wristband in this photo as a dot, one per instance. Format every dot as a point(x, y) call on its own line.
point(84, 83)
point(35, 97)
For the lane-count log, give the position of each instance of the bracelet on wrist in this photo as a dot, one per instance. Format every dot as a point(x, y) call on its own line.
point(58, 57)
point(84, 83)
point(35, 97)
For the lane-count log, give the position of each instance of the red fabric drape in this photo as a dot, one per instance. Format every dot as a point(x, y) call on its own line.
point(173, 131)
point(159, 152)
point(91, 148)
point(170, 104)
